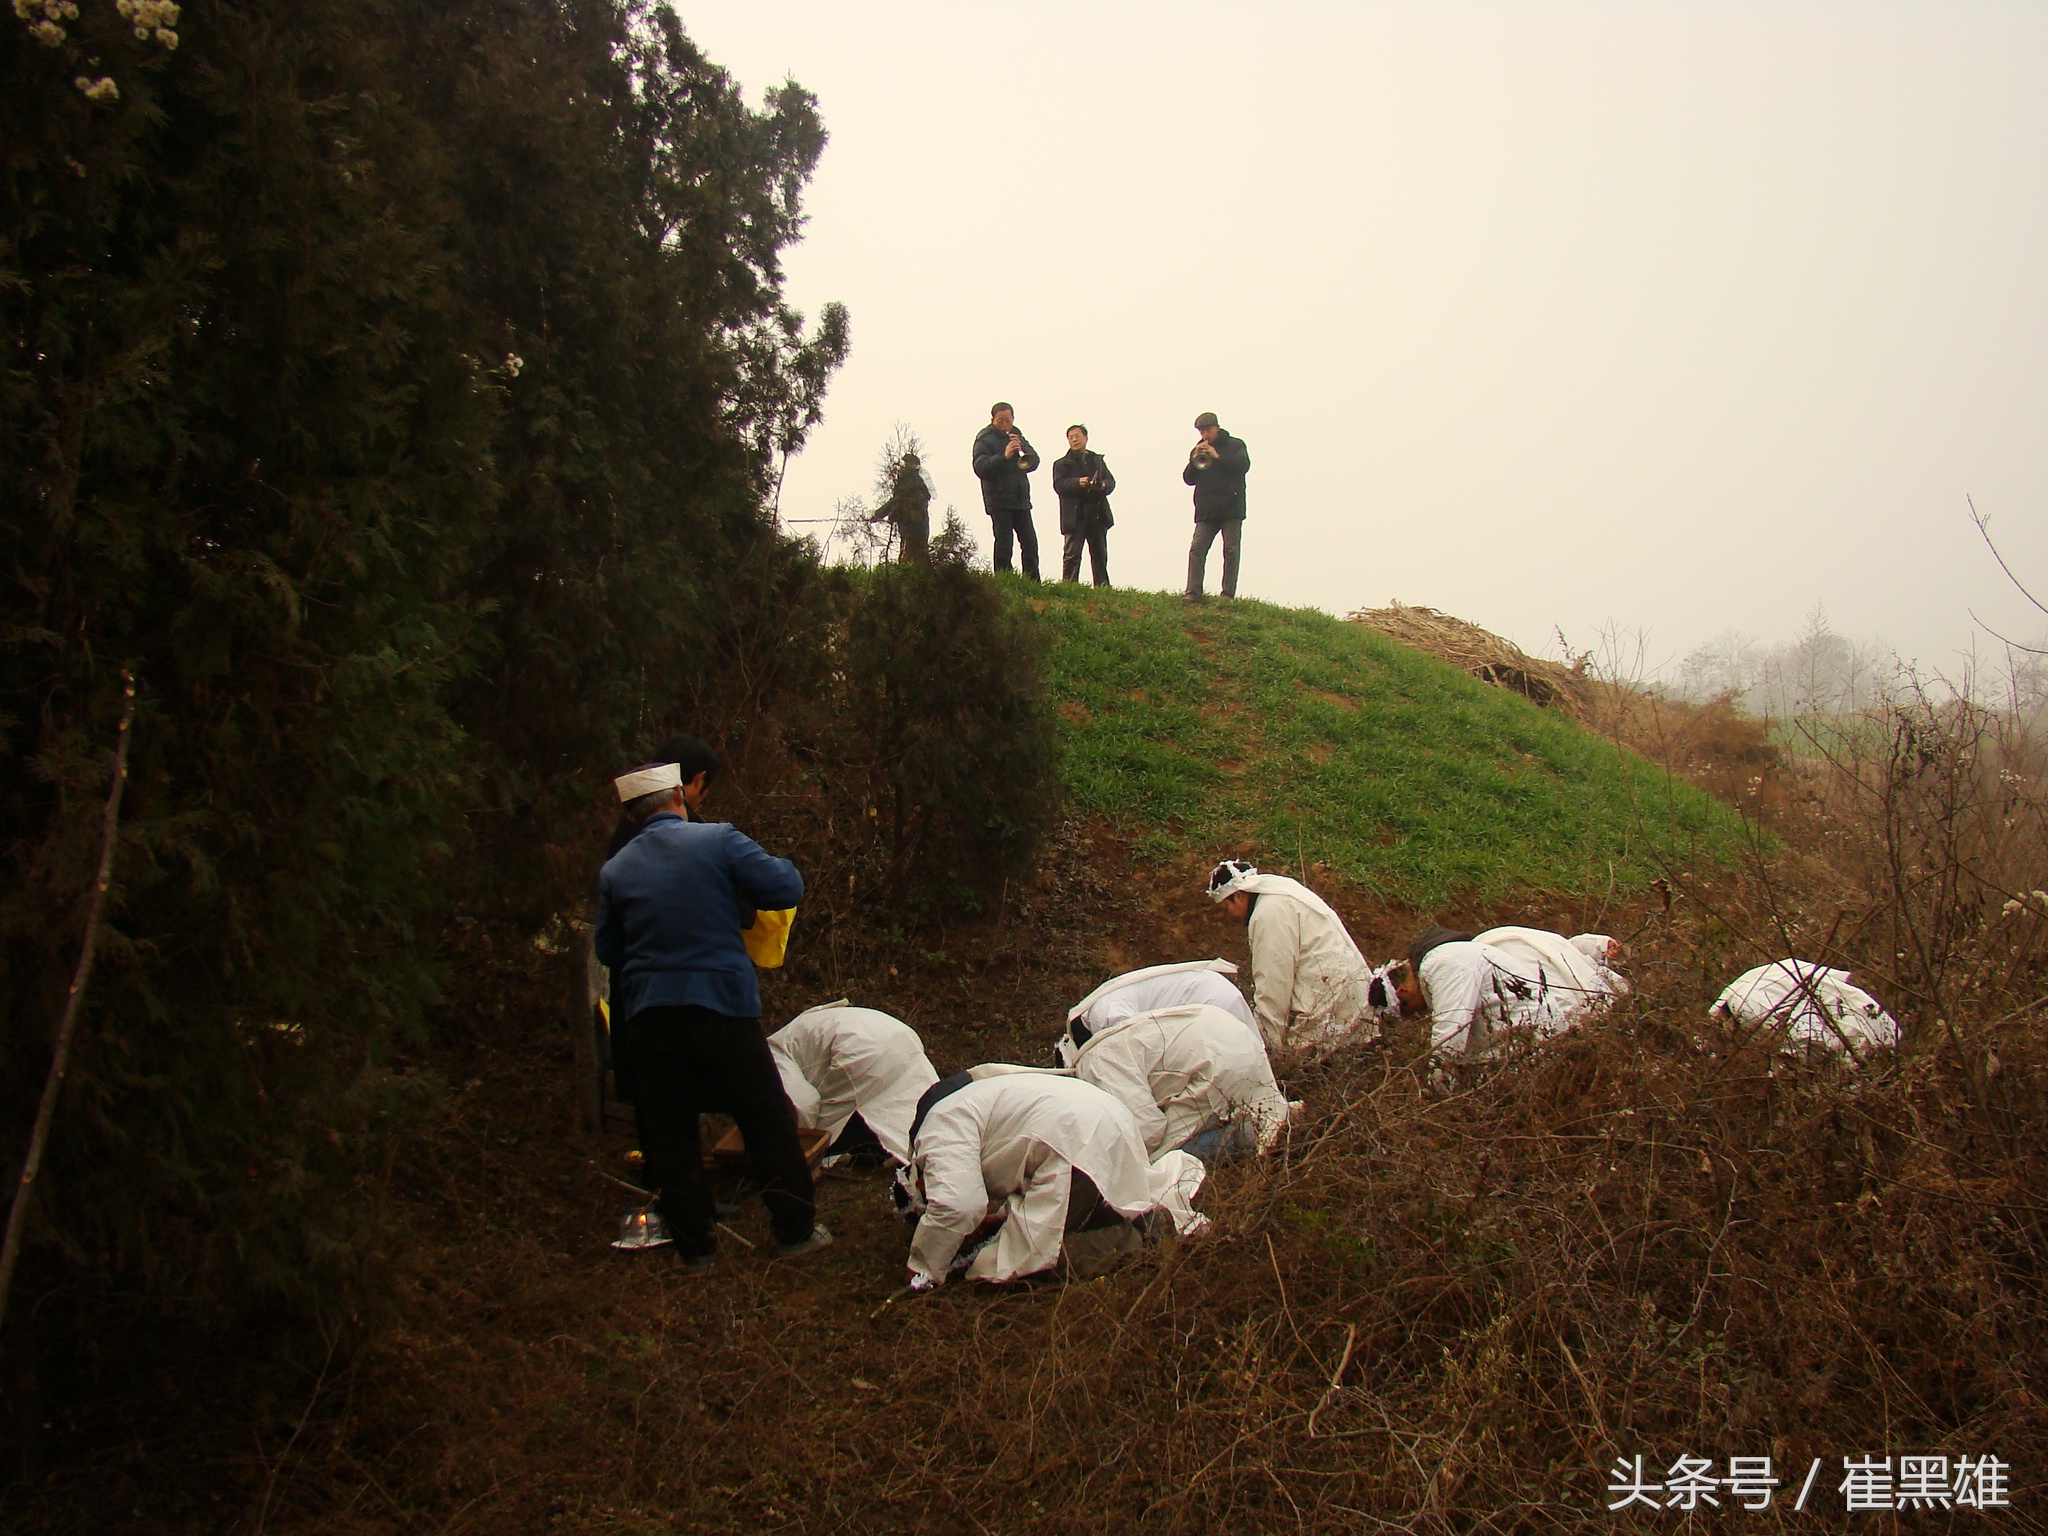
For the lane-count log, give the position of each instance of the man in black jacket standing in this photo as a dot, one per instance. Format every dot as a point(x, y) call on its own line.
point(1002, 460)
point(1216, 469)
point(1083, 483)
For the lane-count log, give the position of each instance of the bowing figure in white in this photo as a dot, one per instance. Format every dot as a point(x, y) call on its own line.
point(1192, 1077)
point(1156, 986)
point(1579, 970)
point(1813, 1005)
point(1477, 995)
point(855, 1074)
point(1309, 982)
point(1028, 1163)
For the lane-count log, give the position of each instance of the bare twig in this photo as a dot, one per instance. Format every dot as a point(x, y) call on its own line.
point(46, 1112)
point(270, 1481)
point(1984, 531)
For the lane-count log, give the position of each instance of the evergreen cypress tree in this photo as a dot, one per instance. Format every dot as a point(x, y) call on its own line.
point(390, 388)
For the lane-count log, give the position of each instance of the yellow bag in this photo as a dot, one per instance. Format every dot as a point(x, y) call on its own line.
point(768, 940)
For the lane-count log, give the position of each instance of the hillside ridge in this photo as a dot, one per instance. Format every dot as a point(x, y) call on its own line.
point(1315, 741)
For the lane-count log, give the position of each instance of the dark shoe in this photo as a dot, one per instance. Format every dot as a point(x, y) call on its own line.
point(819, 1238)
point(701, 1264)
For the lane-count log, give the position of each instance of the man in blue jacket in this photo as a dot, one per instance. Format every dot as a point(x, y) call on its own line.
point(671, 905)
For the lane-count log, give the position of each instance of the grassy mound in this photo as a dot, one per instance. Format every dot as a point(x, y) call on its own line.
point(1316, 741)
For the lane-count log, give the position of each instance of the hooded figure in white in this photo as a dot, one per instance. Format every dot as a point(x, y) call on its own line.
point(1476, 993)
point(1309, 981)
point(1007, 1144)
point(1183, 1071)
point(1156, 986)
point(1576, 968)
point(1604, 952)
point(1815, 1006)
point(837, 1062)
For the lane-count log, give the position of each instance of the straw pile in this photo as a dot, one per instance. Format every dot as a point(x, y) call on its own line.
point(1484, 655)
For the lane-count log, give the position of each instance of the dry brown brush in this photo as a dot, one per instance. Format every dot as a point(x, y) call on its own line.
point(1441, 1311)
point(1444, 1307)
point(1486, 656)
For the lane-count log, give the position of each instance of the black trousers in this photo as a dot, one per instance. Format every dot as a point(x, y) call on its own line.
point(1198, 554)
point(690, 1061)
point(859, 1144)
point(1015, 522)
point(1096, 540)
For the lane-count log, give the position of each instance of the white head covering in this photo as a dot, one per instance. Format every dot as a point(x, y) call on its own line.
point(650, 780)
point(1382, 984)
point(1596, 947)
point(906, 1193)
point(1229, 877)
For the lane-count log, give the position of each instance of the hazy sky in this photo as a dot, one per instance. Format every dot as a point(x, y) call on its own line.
point(1676, 317)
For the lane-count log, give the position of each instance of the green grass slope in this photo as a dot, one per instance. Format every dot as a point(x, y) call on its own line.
point(1204, 728)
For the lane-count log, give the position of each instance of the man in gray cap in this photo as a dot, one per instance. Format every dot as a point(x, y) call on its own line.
point(1216, 469)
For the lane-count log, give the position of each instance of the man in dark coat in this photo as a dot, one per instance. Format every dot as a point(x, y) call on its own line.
point(1002, 460)
point(1084, 483)
point(1216, 469)
point(909, 507)
point(671, 906)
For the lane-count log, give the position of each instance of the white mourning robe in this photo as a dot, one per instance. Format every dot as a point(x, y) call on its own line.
point(1012, 1140)
point(1578, 982)
point(1183, 1070)
point(1308, 977)
point(1476, 993)
point(1164, 986)
point(837, 1062)
point(1815, 1005)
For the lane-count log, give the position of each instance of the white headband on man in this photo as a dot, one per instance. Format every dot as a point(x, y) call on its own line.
point(1229, 877)
point(651, 780)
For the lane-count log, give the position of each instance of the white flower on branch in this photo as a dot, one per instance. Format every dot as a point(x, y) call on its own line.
point(45, 19)
point(151, 18)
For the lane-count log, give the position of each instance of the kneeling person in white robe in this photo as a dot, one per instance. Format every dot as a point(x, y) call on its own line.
point(1308, 979)
point(1578, 970)
point(1192, 1077)
point(853, 1070)
point(1156, 986)
point(1815, 1006)
point(1045, 1159)
point(1476, 995)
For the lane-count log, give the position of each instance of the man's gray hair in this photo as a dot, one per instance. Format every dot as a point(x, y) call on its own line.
point(638, 810)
